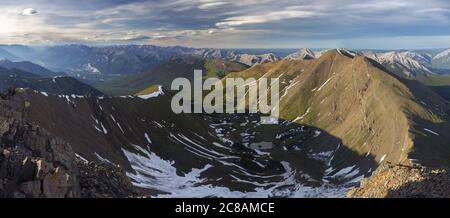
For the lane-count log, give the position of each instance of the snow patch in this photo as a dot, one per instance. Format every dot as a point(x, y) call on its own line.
point(147, 138)
point(323, 85)
point(102, 158)
point(317, 133)
point(302, 116)
point(430, 131)
point(155, 173)
point(81, 158)
point(153, 94)
point(382, 158)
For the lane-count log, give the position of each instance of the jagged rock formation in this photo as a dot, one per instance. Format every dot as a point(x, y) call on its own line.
point(35, 164)
point(32, 162)
point(400, 181)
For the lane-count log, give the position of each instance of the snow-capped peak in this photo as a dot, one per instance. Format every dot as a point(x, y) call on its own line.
point(250, 59)
point(443, 54)
point(303, 53)
point(409, 61)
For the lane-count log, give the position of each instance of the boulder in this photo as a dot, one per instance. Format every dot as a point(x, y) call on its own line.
point(31, 189)
point(57, 184)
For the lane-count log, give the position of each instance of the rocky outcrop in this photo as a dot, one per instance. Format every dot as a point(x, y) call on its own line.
point(34, 164)
point(103, 180)
point(399, 181)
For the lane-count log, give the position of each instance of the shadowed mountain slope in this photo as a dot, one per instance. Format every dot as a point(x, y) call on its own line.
point(28, 67)
point(62, 85)
point(167, 154)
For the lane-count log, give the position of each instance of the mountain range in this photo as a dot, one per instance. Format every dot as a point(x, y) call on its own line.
point(406, 63)
point(342, 114)
point(130, 59)
point(127, 59)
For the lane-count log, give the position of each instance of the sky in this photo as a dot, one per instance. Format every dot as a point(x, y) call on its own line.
point(359, 24)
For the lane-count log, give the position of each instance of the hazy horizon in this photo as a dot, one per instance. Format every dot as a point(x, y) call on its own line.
point(225, 48)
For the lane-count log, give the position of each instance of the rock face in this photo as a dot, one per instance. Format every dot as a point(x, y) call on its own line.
point(35, 164)
point(398, 181)
point(32, 162)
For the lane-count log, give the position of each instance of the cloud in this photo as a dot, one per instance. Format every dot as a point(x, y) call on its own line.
point(379, 6)
point(210, 5)
point(227, 23)
point(264, 18)
point(434, 10)
point(136, 38)
point(29, 11)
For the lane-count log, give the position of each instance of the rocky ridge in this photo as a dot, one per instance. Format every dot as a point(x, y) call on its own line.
point(401, 181)
point(35, 164)
point(32, 162)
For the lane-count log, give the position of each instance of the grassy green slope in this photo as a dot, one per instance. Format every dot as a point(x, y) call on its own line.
point(165, 73)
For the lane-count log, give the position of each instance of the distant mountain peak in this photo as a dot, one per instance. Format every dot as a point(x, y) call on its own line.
point(409, 63)
point(301, 54)
point(250, 59)
point(28, 67)
point(443, 54)
point(7, 55)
